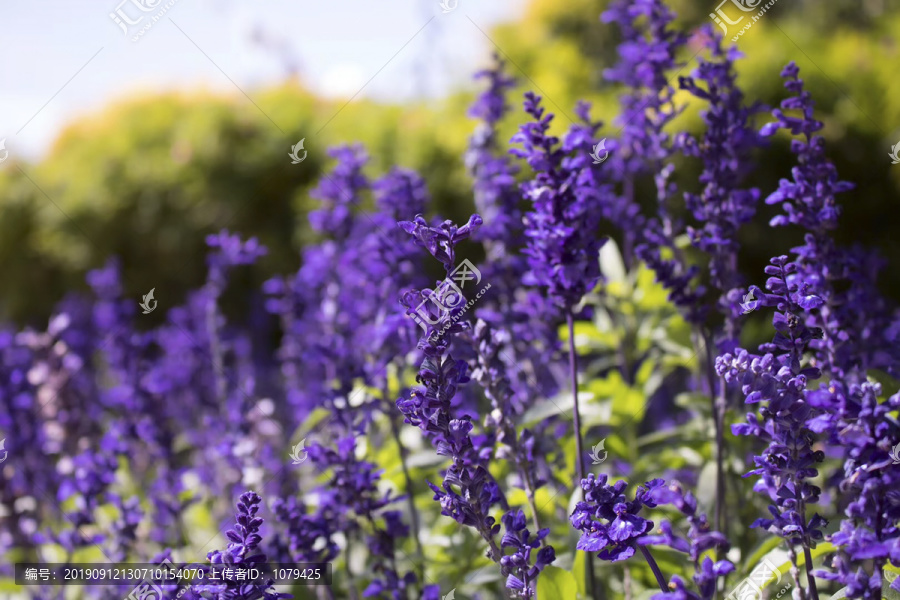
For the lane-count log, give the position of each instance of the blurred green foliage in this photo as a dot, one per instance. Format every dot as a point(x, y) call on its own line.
point(147, 178)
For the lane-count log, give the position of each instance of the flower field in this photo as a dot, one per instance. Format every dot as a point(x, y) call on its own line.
point(575, 393)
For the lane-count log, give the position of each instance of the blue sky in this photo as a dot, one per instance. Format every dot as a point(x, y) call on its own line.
point(65, 58)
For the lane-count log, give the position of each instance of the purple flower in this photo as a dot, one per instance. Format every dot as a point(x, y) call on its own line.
point(700, 539)
point(231, 251)
point(125, 527)
point(441, 241)
point(309, 537)
point(855, 319)
point(856, 420)
point(383, 545)
point(354, 483)
point(522, 574)
point(563, 245)
point(814, 317)
point(777, 381)
point(724, 206)
point(809, 200)
point(340, 192)
point(518, 449)
point(523, 323)
point(496, 192)
point(243, 551)
point(679, 591)
point(610, 525)
point(647, 54)
point(430, 407)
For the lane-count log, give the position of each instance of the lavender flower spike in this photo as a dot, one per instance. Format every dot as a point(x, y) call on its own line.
point(243, 550)
point(563, 244)
point(429, 407)
point(778, 382)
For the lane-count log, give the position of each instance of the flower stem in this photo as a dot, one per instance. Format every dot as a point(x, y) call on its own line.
point(718, 411)
point(410, 492)
point(579, 443)
point(663, 585)
point(795, 572)
point(627, 583)
point(535, 518)
point(495, 554)
point(525, 474)
point(810, 580)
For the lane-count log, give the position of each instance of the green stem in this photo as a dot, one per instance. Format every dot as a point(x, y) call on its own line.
point(718, 410)
point(660, 580)
point(410, 495)
point(579, 443)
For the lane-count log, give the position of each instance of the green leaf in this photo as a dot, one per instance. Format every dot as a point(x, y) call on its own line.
point(764, 548)
point(778, 558)
point(424, 459)
point(628, 404)
point(706, 484)
point(579, 572)
point(312, 421)
point(555, 583)
point(650, 296)
point(611, 264)
point(544, 409)
point(685, 433)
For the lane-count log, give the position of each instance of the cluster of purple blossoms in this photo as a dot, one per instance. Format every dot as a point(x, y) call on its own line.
point(199, 410)
point(809, 200)
point(701, 538)
point(561, 229)
point(855, 419)
point(431, 405)
point(353, 492)
point(242, 552)
point(815, 340)
point(778, 381)
point(494, 176)
point(611, 525)
point(614, 528)
point(567, 193)
point(522, 574)
point(720, 210)
point(514, 339)
point(468, 492)
point(723, 206)
point(340, 297)
point(857, 335)
point(647, 54)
